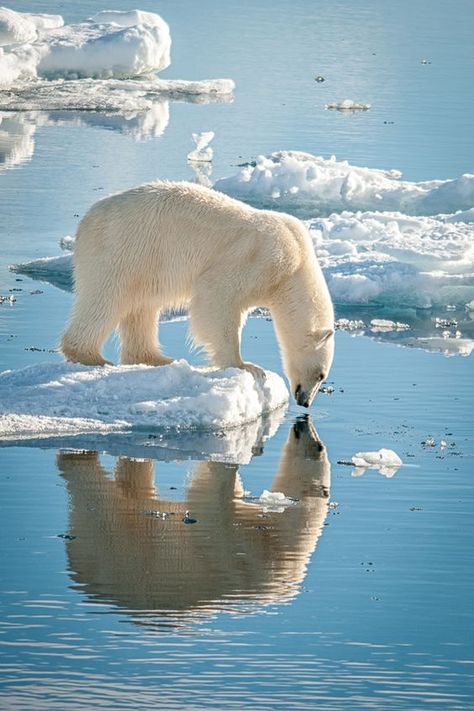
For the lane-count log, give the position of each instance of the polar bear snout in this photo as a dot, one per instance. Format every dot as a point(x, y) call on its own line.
point(305, 397)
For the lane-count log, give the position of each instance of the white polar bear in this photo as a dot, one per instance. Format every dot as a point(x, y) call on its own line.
point(173, 245)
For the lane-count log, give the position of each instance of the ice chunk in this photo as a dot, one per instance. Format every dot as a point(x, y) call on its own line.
point(306, 185)
point(274, 501)
point(348, 105)
point(203, 151)
point(67, 398)
point(385, 460)
point(130, 44)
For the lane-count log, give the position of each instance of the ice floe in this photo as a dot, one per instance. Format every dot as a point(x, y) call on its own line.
point(308, 185)
point(106, 63)
point(64, 399)
point(383, 257)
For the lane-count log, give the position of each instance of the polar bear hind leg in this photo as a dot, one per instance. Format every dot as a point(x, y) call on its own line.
point(93, 320)
point(139, 337)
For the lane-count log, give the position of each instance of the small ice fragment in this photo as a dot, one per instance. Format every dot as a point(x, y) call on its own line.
point(333, 504)
point(188, 519)
point(348, 105)
point(429, 442)
point(383, 458)
point(203, 152)
point(443, 444)
point(470, 306)
point(67, 243)
point(274, 501)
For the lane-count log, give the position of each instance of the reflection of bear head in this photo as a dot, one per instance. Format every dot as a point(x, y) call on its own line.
point(234, 558)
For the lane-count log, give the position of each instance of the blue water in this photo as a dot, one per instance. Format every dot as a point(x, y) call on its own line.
point(104, 606)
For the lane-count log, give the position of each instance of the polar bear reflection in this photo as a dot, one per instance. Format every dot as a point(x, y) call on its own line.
point(234, 558)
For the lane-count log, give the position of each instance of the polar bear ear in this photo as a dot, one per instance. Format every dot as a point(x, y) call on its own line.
point(322, 335)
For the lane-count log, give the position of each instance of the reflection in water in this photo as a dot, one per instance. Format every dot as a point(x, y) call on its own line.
point(234, 558)
point(16, 140)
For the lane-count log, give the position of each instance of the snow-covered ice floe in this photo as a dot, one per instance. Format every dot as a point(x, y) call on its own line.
point(106, 63)
point(383, 257)
point(309, 185)
point(63, 401)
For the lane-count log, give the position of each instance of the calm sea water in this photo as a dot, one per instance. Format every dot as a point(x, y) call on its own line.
point(366, 603)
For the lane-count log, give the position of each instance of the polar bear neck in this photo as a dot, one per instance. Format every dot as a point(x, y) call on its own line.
point(302, 305)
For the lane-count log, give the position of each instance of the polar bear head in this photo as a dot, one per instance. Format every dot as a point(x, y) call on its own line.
point(310, 365)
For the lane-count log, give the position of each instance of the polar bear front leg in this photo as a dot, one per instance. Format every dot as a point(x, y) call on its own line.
point(139, 337)
point(216, 322)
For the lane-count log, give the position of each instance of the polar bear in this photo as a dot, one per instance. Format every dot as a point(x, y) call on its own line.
point(173, 245)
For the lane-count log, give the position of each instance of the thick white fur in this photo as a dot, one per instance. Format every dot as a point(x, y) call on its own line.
point(172, 245)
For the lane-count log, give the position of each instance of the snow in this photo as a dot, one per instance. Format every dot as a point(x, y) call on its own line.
point(385, 460)
point(64, 399)
point(308, 185)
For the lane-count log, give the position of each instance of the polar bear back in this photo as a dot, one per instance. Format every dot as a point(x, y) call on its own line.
point(172, 232)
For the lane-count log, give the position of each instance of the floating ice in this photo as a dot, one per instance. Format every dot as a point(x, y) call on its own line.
point(306, 185)
point(385, 460)
point(274, 501)
point(203, 151)
point(348, 105)
point(65, 399)
point(111, 44)
point(389, 257)
point(39, 52)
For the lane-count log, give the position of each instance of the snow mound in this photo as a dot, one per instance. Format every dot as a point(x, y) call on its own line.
point(65, 399)
point(308, 185)
point(385, 460)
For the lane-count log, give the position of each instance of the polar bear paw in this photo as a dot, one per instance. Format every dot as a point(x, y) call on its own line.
point(257, 372)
